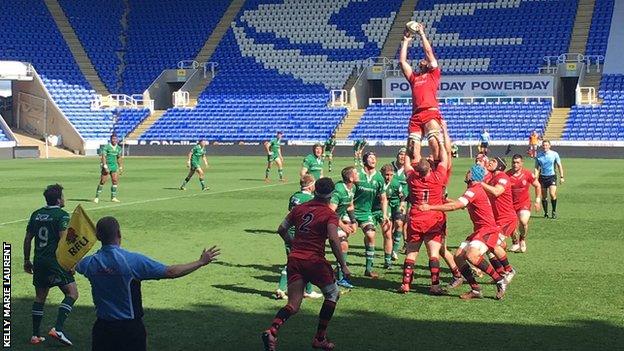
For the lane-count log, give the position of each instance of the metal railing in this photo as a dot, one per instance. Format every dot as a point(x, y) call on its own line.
point(209, 67)
point(188, 64)
point(181, 98)
point(338, 98)
point(586, 95)
point(467, 99)
point(596, 60)
point(135, 101)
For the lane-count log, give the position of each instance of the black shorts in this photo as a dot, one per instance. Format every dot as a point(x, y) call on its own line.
point(484, 145)
point(548, 181)
point(123, 335)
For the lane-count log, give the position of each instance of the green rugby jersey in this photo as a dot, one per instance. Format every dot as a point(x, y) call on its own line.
point(46, 225)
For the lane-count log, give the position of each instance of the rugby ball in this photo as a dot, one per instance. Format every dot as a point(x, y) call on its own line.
point(411, 27)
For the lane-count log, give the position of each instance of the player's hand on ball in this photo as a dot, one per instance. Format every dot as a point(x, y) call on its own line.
point(407, 36)
point(209, 255)
point(28, 267)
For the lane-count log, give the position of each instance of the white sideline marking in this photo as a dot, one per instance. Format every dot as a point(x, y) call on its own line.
point(164, 199)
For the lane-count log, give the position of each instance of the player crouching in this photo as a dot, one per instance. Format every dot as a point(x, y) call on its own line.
point(485, 236)
point(314, 222)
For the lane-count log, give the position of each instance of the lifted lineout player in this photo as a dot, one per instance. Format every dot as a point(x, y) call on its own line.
point(302, 196)
point(314, 223)
point(329, 146)
point(545, 167)
point(111, 164)
point(426, 186)
point(521, 180)
point(195, 156)
point(342, 202)
point(485, 234)
point(274, 154)
point(426, 117)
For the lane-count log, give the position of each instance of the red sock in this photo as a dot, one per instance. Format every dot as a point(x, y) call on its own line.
point(280, 318)
point(505, 263)
point(485, 266)
point(408, 271)
point(327, 311)
point(498, 267)
point(467, 273)
point(434, 268)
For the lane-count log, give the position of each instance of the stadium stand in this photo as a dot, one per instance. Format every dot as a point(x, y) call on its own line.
point(3, 137)
point(99, 33)
point(127, 120)
point(504, 121)
point(599, 29)
point(161, 33)
point(276, 66)
point(599, 122)
point(21, 39)
point(491, 37)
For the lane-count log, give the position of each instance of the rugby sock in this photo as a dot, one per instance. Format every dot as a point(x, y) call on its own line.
point(327, 311)
point(370, 256)
point(283, 282)
point(388, 258)
point(485, 266)
point(408, 271)
point(338, 269)
point(553, 202)
point(203, 183)
point(467, 273)
point(434, 268)
point(186, 180)
point(330, 164)
point(266, 173)
point(37, 316)
point(113, 191)
point(545, 206)
point(308, 288)
point(98, 191)
point(498, 266)
point(396, 241)
point(505, 262)
point(63, 312)
point(280, 318)
point(281, 173)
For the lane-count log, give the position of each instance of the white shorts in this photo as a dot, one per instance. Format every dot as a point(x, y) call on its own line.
point(479, 245)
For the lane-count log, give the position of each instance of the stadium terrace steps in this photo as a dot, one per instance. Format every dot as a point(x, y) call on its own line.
point(145, 124)
point(24, 139)
point(211, 44)
point(349, 122)
point(582, 22)
point(76, 48)
point(556, 123)
point(395, 35)
point(592, 80)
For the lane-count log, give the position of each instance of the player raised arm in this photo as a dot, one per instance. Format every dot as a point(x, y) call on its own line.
point(433, 62)
point(180, 270)
point(334, 243)
point(447, 141)
point(406, 67)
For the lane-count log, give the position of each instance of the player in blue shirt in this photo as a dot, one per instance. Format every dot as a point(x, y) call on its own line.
point(545, 163)
point(484, 142)
point(115, 276)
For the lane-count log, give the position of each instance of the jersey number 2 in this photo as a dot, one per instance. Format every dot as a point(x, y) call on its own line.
point(307, 219)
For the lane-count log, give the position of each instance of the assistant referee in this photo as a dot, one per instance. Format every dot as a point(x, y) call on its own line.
point(545, 167)
point(115, 275)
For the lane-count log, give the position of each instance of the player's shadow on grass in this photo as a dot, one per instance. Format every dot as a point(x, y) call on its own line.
point(80, 200)
point(244, 290)
point(210, 326)
point(275, 268)
point(171, 188)
point(256, 180)
point(260, 231)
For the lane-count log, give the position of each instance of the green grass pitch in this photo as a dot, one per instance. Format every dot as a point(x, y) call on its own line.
point(568, 293)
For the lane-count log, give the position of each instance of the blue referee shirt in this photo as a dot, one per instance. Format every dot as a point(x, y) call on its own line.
point(545, 162)
point(484, 137)
point(115, 275)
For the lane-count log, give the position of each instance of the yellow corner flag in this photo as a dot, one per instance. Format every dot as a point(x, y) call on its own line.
point(79, 240)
